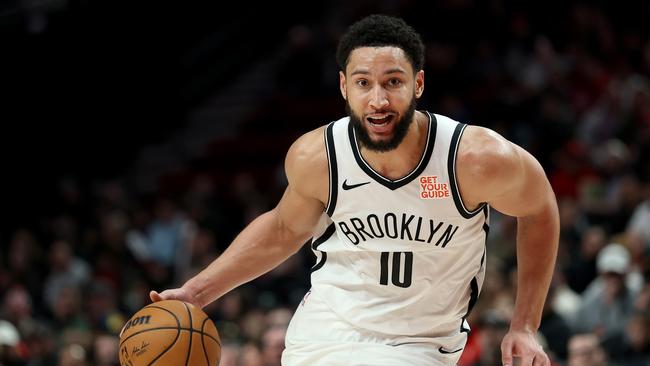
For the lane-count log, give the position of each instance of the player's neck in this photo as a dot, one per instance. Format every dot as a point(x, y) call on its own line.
point(400, 161)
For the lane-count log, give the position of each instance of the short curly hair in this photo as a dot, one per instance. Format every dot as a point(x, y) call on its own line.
point(381, 31)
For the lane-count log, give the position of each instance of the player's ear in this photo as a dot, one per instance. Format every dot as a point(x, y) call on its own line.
point(344, 91)
point(419, 83)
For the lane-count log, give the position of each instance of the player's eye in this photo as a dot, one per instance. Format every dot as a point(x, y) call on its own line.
point(362, 82)
point(394, 82)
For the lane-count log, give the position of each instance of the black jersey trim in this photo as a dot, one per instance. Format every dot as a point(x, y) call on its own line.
point(422, 164)
point(486, 225)
point(333, 170)
point(474, 290)
point(451, 167)
point(473, 297)
point(323, 238)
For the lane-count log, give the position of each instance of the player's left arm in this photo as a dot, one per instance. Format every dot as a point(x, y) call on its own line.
point(494, 170)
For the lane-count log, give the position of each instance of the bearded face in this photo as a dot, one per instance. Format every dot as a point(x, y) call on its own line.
point(400, 124)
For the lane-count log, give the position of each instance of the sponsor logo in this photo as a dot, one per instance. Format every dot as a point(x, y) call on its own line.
point(137, 321)
point(445, 352)
point(352, 186)
point(432, 188)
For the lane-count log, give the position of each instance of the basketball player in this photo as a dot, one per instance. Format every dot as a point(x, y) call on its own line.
point(396, 203)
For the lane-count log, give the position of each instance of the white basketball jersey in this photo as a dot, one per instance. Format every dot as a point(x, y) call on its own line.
point(401, 257)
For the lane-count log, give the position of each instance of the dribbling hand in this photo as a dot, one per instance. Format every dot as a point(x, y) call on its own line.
point(175, 294)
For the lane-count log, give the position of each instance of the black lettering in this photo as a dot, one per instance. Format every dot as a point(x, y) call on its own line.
point(346, 230)
point(405, 227)
point(383, 276)
point(358, 226)
point(137, 321)
point(433, 231)
point(447, 235)
point(377, 224)
point(388, 227)
point(417, 230)
point(397, 268)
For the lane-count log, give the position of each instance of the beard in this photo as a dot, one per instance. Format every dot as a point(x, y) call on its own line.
point(399, 132)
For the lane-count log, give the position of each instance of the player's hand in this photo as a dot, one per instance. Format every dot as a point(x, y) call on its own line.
point(175, 294)
point(524, 346)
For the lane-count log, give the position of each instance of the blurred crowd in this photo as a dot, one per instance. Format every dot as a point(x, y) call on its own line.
point(570, 83)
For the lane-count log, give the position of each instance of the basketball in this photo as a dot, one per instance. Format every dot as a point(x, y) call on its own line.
point(169, 333)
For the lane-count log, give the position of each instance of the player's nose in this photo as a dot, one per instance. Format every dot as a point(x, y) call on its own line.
point(378, 97)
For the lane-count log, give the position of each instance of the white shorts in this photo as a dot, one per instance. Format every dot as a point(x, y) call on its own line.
point(318, 337)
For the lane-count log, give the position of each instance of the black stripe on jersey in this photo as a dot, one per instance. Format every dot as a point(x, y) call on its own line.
point(451, 168)
point(473, 297)
point(333, 170)
point(394, 184)
point(314, 245)
point(486, 227)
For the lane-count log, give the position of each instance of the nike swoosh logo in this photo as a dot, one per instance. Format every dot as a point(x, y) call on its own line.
point(445, 352)
point(351, 186)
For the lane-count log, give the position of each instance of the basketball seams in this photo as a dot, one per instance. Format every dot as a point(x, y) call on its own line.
point(205, 352)
point(189, 349)
point(178, 334)
point(180, 329)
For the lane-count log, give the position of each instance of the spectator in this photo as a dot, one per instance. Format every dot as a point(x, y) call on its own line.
point(633, 349)
point(73, 355)
point(581, 269)
point(10, 354)
point(66, 270)
point(273, 345)
point(607, 303)
point(105, 350)
point(585, 350)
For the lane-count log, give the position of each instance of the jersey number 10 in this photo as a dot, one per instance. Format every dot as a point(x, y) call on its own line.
point(398, 277)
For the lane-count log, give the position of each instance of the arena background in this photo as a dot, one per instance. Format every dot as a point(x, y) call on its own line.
point(139, 138)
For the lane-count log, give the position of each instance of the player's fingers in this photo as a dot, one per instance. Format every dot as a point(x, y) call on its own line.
point(155, 296)
point(506, 353)
point(541, 360)
point(527, 361)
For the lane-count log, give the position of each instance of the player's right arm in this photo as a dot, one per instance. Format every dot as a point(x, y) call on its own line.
point(273, 236)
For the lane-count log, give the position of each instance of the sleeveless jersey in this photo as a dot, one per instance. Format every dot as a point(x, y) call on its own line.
point(399, 257)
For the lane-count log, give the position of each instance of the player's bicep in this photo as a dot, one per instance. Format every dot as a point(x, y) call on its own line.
point(526, 189)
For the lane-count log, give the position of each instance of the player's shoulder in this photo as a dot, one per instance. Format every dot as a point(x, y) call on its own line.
point(484, 153)
point(308, 154)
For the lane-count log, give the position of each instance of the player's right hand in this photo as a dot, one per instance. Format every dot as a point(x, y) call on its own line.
point(175, 294)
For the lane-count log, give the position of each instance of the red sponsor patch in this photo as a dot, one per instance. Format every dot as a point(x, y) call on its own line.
point(432, 188)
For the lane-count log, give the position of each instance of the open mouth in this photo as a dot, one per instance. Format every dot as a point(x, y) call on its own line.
point(380, 119)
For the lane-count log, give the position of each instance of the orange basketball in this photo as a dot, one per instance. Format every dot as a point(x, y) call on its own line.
point(169, 333)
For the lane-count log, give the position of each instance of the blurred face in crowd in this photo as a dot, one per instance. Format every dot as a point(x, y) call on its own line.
point(584, 350)
point(60, 255)
point(273, 345)
point(614, 285)
point(380, 88)
point(105, 350)
point(17, 304)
